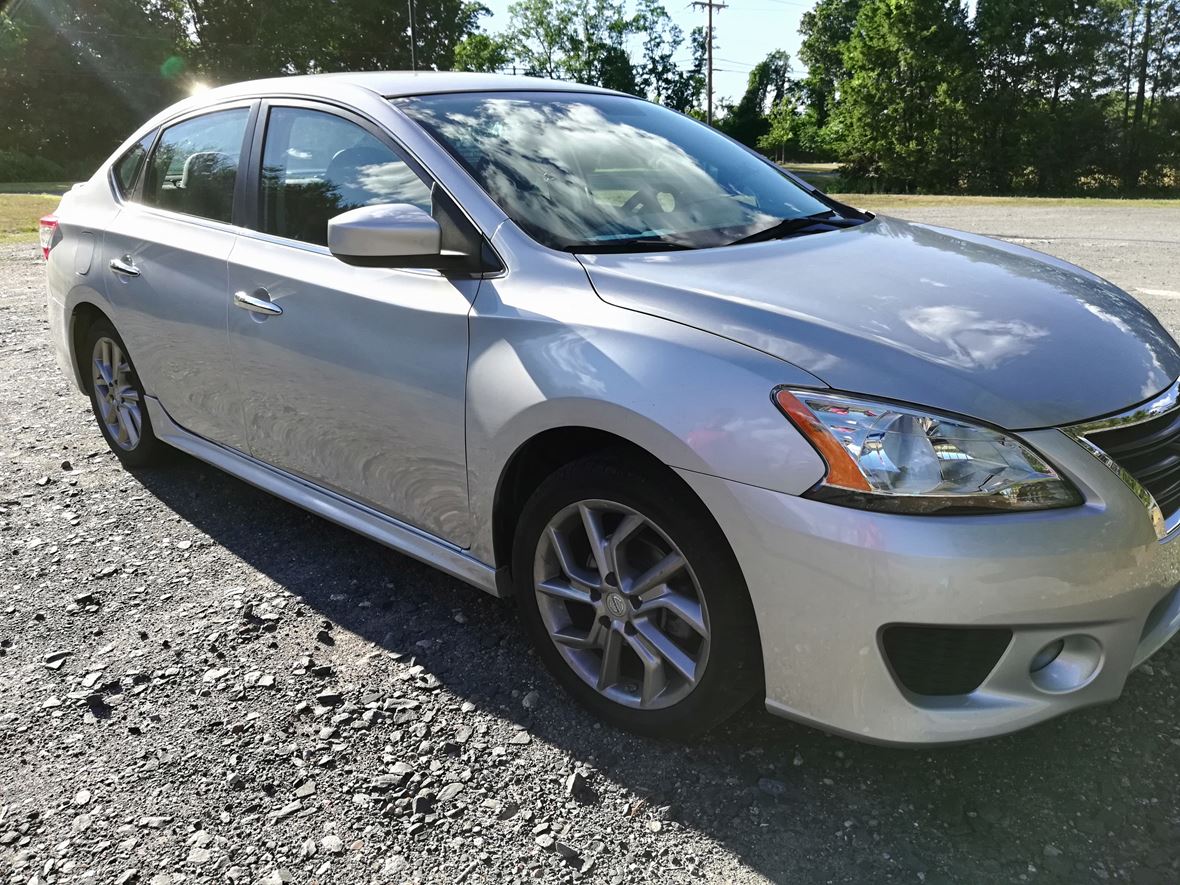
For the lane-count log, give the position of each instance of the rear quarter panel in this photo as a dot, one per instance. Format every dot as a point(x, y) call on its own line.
point(75, 267)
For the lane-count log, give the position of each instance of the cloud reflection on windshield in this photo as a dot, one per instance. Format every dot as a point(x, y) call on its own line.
point(596, 169)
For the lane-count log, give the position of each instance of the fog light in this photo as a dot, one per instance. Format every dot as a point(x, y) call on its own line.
point(1046, 656)
point(1066, 664)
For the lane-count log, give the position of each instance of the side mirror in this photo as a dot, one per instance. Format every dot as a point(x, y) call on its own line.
point(386, 235)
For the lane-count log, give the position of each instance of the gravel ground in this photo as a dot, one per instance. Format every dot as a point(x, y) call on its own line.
point(201, 683)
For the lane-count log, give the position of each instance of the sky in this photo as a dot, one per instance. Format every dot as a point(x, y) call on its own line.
point(746, 32)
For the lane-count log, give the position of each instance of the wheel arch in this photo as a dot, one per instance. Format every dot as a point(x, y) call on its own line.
point(542, 454)
point(82, 318)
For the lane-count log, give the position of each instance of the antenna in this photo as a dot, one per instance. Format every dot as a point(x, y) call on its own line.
point(413, 61)
point(709, 6)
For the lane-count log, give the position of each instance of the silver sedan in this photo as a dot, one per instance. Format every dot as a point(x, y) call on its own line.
point(720, 435)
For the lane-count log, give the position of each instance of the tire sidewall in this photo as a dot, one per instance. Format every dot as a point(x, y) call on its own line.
point(733, 669)
point(148, 448)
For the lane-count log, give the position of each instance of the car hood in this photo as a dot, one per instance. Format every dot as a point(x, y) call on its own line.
point(910, 312)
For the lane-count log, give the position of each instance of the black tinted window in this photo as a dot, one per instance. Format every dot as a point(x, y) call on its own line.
point(316, 165)
point(127, 166)
point(194, 166)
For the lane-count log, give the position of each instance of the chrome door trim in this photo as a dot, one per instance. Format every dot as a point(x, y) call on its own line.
point(376, 526)
point(124, 266)
point(1162, 404)
point(252, 303)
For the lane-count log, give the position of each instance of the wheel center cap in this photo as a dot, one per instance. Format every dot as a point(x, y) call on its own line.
point(616, 605)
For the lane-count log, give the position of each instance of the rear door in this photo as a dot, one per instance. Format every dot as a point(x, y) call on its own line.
point(166, 257)
point(355, 379)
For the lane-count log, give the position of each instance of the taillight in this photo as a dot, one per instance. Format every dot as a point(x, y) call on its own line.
point(48, 227)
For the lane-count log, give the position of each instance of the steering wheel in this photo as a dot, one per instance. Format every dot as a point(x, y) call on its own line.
point(646, 199)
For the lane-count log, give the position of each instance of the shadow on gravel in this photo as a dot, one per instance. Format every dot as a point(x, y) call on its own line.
point(1092, 797)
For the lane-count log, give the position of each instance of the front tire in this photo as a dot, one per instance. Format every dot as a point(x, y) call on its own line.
point(634, 600)
point(117, 398)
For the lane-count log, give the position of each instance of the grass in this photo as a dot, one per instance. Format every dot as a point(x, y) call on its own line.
point(927, 201)
point(35, 187)
point(814, 168)
point(19, 214)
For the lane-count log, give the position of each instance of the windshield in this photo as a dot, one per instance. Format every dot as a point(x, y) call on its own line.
point(590, 173)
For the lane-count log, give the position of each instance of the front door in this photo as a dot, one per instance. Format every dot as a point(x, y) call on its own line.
point(358, 383)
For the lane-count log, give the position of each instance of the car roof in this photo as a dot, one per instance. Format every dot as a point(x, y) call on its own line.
point(393, 84)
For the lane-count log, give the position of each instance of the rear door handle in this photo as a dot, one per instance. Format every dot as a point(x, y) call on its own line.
point(254, 304)
point(124, 266)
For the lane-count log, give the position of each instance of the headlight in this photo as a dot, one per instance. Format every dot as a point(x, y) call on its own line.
point(881, 456)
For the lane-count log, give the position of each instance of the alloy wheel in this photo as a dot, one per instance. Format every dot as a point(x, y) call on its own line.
point(620, 602)
point(115, 394)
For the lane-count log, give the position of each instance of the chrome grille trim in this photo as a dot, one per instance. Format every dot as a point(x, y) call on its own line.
point(1168, 401)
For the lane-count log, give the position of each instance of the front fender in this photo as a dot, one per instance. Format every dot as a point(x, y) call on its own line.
point(547, 353)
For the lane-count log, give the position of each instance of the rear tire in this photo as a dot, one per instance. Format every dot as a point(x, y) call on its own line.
point(117, 397)
point(657, 634)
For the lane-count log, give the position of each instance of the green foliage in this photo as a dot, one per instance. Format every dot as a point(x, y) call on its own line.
point(657, 74)
point(794, 131)
point(826, 30)
point(1024, 96)
point(482, 52)
point(1039, 113)
point(580, 40)
point(77, 75)
point(904, 105)
point(15, 166)
point(765, 88)
point(71, 83)
point(1029, 96)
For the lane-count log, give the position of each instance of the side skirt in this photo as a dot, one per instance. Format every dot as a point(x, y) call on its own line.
point(361, 519)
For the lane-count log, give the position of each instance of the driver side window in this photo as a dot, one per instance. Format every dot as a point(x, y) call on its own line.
point(316, 165)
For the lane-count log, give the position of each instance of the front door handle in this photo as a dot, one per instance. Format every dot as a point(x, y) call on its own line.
point(124, 266)
point(254, 304)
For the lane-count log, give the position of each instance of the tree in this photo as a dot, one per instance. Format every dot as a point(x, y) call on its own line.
point(76, 76)
point(765, 88)
point(1040, 119)
point(686, 93)
point(582, 40)
point(72, 84)
point(482, 52)
point(1149, 68)
point(539, 30)
point(657, 73)
point(826, 30)
point(785, 125)
point(903, 104)
point(597, 54)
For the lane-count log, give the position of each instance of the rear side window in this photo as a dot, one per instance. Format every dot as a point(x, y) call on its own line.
point(195, 165)
point(316, 165)
point(127, 167)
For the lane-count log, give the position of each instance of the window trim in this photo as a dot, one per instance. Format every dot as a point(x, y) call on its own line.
point(252, 198)
point(251, 208)
point(247, 145)
point(131, 194)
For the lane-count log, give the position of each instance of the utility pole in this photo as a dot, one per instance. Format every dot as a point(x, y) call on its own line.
point(709, 6)
point(413, 61)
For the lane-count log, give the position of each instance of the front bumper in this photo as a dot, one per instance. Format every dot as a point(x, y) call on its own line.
point(826, 581)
